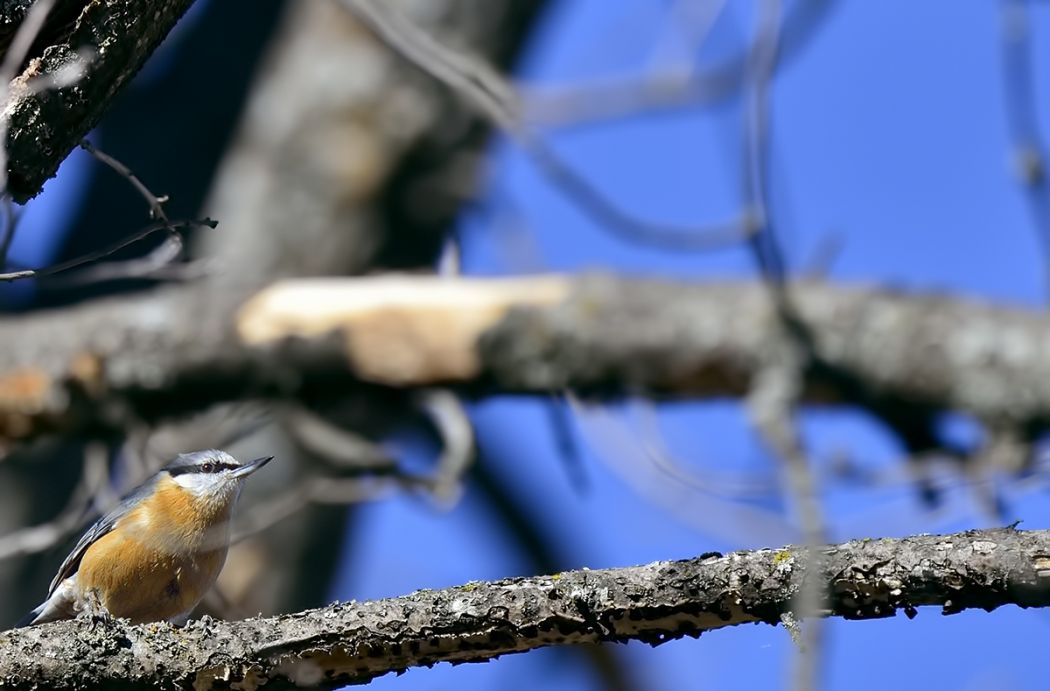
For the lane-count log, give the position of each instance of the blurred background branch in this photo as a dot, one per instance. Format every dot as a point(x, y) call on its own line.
point(538, 335)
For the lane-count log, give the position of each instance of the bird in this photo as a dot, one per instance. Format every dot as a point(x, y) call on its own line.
point(154, 556)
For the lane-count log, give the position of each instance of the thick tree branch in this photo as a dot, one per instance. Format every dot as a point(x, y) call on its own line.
point(355, 642)
point(95, 365)
point(49, 114)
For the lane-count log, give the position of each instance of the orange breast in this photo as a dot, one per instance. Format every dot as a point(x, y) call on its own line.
point(160, 559)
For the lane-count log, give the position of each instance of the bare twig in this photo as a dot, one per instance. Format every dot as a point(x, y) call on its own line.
point(446, 412)
point(156, 203)
point(819, 265)
point(724, 484)
point(686, 29)
point(1029, 150)
point(779, 385)
point(335, 445)
point(771, 402)
point(81, 507)
point(321, 490)
point(628, 454)
point(756, 153)
point(560, 422)
point(495, 98)
point(450, 261)
point(161, 256)
point(453, 425)
point(583, 103)
point(106, 251)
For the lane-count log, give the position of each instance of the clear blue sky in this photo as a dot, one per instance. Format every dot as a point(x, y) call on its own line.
point(889, 132)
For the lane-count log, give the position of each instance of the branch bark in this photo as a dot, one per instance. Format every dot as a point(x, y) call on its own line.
point(46, 123)
point(355, 642)
point(101, 364)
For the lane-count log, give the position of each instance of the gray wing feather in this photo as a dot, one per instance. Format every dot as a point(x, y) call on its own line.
point(99, 528)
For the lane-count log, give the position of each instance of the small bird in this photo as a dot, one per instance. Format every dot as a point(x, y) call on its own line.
point(155, 555)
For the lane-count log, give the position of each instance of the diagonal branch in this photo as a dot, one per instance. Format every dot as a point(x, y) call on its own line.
point(95, 255)
point(659, 602)
point(46, 124)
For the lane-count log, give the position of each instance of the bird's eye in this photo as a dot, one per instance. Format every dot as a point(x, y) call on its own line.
point(208, 467)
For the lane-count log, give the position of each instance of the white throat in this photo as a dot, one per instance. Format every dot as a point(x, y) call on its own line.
point(211, 485)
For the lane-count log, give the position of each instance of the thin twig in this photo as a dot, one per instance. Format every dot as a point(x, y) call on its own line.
point(450, 261)
point(334, 444)
point(771, 403)
point(583, 103)
point(728, 485)
point(559, 421)
point(161, 256)
point(158, 258)
point(156, 203)
point(106, 251)
point(1029, 150)
point(494, 98)
point(764, 242)
point(687, 26)
point(623, 451)
point(778, 387)
point(320, 490)
point(94, 478)
point(453, 425)
point(820, 263)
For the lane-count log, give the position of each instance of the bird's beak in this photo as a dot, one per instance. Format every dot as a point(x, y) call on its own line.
point(249, 468)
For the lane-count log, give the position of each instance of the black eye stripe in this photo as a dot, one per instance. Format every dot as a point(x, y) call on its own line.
point(209, 467)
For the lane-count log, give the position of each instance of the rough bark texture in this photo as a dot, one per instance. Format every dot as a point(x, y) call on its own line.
point(45, 124)
point(355, 642)
point(92, 366)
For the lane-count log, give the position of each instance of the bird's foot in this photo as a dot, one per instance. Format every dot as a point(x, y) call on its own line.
point(95, 612)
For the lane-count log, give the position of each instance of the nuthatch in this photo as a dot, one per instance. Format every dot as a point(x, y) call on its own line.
point(156, 555)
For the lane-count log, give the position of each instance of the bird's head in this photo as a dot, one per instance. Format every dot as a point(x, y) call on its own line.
point(212, 474)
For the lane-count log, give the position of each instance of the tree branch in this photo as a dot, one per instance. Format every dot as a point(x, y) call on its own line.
point(356, 642)
point(100, 365)
point(46, 124)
